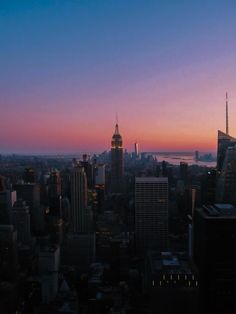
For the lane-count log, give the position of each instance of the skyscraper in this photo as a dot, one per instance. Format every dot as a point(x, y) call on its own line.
point(117, 162)
point(226, 183)
point(183, 171)
point(151, 213)
point(88, 168)
point(214, 240)
point(54, 192)
point(21, 221)
point(79, 200)
point(29, 175)
point(8, 252)
point(136, 152)
point(224, 141)
point(30, 193)
point(5, 206)
point(100, 179)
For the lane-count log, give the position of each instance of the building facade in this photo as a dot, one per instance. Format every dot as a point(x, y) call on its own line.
point(151, 213)
point(79, 200)
point(214, 240)
point(223, 143)
point(226, 183)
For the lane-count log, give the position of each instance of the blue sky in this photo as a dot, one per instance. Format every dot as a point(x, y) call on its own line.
point(59, 57)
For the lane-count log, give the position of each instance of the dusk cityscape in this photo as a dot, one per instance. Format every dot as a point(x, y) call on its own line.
point(117, 157)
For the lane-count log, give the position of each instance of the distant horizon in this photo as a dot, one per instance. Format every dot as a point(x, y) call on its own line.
point(30, 154)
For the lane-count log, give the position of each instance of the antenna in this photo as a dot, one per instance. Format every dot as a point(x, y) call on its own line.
point(227, 115)
point(116, 118)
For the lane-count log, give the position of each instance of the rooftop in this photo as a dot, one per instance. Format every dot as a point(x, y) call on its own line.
point(218, 211)
point(169, 262)
point(151, 179)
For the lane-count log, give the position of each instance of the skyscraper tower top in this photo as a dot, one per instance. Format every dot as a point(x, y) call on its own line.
point(116, 141)
point(117, 162)
point(227, 115)
point(136, 149)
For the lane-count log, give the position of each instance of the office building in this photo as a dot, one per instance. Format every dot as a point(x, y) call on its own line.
point(29, 175)
point(117, 162)
point(226, 183)
point(184, 172)
point(171, 283)
point(79, 208)
point(30, 193)
point(100, 186)
point(214, 241)
point(224, 141)
point(21, 222)
point(8, 252)
point(79, 250)
point(48, 267)
point(209, 187)
point(151, 213)
point(89, 171)
point(54, 192)
point(100, 174)
point(7, 199)
point(136, 152)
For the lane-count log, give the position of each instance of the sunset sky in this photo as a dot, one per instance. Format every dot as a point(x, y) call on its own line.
point(68, 66)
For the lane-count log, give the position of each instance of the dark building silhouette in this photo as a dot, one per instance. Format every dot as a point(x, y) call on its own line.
point(21, 222)
point(184, 171)
point(171, 283)
point(226, 183)
point(79, 206)
point(117, 162)
point(8, 252)
point(100, 179)
point(88, 168)
point(54, 192)
point(224, 142)
point(214, 240)
point(5, 206)
point(164, 169)
point(30, 193)
point(29, 175)
point(209, 187)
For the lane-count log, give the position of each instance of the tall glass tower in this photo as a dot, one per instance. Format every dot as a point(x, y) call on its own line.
point(117, 162)
point(224, 142)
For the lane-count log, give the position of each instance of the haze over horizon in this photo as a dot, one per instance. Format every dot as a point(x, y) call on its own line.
point(68, 66)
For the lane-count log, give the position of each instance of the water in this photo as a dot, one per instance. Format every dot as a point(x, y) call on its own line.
point(189, 158)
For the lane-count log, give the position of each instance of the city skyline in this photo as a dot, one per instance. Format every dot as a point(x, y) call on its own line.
point(67, 68)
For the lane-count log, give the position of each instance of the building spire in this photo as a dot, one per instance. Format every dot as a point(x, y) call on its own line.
point(117, 129)
point(227, 115)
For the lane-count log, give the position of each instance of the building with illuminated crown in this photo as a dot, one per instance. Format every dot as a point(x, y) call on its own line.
point(117, 162)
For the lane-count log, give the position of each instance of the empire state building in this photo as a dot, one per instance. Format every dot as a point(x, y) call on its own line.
point(117, 162)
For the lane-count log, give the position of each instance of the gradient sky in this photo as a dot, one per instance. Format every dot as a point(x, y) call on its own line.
point(67, 67)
